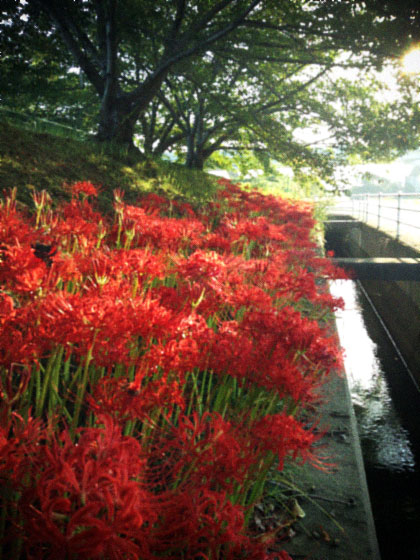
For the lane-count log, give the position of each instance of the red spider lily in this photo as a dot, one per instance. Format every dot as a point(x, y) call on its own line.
point(19, 444)
point(21, 270)
point(105, 322)
point(141, 263)
point(65, 270)
point(232, 352)
point(154, 339)
point(209, 450)
point(136, 401)
point(217, 242)
point(202, 265)
point(85, 188)
point(250, 297)
point(293, 332)
point(201, 523)
point(88, 499)
point(282, 435)
point(102, 265)
point(187, 349)
point(150, 230)
point(7, 308)
point(13, 383)
point(19, 343)
point(153, 201)
point(80, 225)
point(14, 228)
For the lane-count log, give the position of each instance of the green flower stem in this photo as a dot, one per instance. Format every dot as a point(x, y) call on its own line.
point(62, 405)
point(264, 404)
point(149, 427)
point(65, 374)
point(38, 384)
point(130, 427)
point(205, 375)
point(55, 379)
point(226, 402)
point(135, 286)
point(209, 389)
point(118, 241)
point(30, 388)
point(75, 377)
point(255, 490)
point(118, 371)
point(175, 415)
point(101, 234)
point(248, 248)
point(46, 384)
point(223, 393)
point(129, 236)
point(184, 476)
point(195, 396)
point(82, 387)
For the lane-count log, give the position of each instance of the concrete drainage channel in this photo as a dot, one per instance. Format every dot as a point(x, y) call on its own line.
point(386, 402)
point(384, 388)
point(371, 413)
point(397, 300)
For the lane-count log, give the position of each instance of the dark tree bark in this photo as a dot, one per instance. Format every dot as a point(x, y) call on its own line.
point(99, 57)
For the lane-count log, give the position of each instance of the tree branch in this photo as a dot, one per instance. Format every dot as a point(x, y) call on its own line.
point(67, 27)
point(111, 75)
point(180, 13)
point(151, 85)
point(209, 15)
point(176, 116)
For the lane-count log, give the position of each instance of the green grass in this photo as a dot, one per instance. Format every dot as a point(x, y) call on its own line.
point(42, 160)
point(34, 123)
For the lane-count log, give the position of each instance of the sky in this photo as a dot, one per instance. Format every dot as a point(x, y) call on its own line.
point(400, 168)
point(395, 171)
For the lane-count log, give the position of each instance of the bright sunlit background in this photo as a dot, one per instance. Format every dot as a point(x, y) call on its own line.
point(411, 61)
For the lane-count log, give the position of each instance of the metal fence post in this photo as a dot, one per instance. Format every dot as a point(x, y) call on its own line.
point(398, 213)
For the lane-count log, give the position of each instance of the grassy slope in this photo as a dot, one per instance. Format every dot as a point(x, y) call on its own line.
point(38, 160)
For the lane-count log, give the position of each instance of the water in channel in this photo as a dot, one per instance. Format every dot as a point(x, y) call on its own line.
point(387, 407)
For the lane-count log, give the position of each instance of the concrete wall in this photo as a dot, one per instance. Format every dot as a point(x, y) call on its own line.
point(397, 302)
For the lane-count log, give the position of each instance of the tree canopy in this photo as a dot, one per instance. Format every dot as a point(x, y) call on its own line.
point(196, 76)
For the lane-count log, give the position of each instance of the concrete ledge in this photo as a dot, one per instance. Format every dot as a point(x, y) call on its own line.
point(338, 524)
point(383, 268)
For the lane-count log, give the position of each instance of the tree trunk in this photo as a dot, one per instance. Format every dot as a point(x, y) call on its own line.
point(195, 156)
point(196, 162)
point(198, 154)
point(195, 143)
point(116, 123)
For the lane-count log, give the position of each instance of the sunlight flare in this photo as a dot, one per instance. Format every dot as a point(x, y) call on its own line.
point(411, 61)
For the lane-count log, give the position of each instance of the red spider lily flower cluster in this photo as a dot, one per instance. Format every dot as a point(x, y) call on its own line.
point(154, 365)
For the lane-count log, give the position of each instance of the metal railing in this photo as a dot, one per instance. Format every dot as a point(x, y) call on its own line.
point(398, 212)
